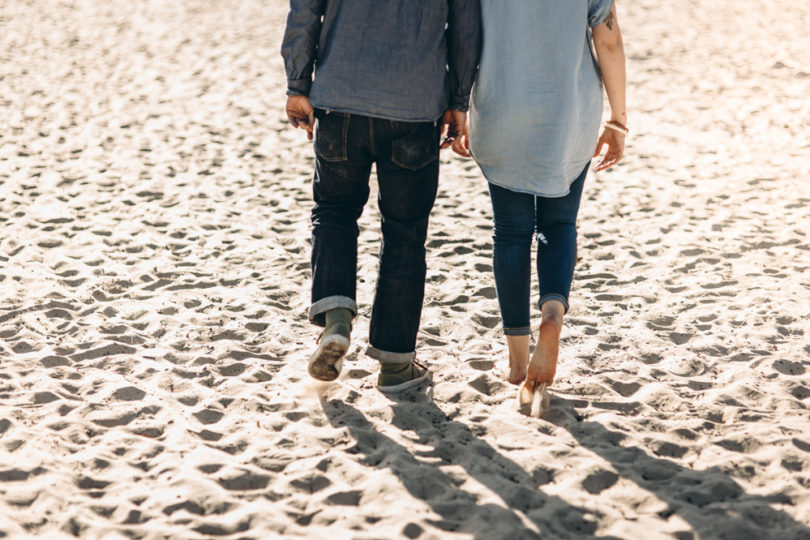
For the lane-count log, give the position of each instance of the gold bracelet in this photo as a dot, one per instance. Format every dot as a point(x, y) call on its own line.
point(617, 126)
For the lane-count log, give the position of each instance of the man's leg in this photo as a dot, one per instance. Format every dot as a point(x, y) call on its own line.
point(340, 190)
point(408, 180)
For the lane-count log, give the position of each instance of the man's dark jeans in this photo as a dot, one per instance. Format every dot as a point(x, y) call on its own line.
point(407, 158)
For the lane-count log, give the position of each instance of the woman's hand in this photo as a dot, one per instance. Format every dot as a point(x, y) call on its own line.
point(615, 148)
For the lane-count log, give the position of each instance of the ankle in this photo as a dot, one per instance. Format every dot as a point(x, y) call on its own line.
point(338, 316)
point(552, 322)
point(393, 367)
point(553, 312)
point(552, 318)
point(518, 348)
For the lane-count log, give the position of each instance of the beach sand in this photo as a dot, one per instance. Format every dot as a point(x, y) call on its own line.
point(154, 278)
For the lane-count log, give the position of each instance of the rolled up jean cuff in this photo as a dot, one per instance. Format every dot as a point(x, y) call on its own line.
point(517, 331)
point(387, 357)
point(554, 296)
point(318, 310)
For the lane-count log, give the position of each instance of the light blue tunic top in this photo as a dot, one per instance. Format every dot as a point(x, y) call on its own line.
point(537, 102)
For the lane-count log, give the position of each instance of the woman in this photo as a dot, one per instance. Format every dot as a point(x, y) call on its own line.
point(534, 128)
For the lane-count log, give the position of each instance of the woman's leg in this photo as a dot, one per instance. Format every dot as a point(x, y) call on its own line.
point(514, 217)
point(543, 365)
point(556, 257)
point(518, 357)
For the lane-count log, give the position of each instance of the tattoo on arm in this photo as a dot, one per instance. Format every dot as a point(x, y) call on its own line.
point(611, 19)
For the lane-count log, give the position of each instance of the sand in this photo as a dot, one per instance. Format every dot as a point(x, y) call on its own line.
point(154, 280)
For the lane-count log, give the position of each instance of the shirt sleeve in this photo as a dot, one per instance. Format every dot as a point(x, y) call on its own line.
point(598, 11)
point(299, 47)
point(463, 50)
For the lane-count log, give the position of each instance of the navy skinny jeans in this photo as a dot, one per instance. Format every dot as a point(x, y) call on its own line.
point(518, 216)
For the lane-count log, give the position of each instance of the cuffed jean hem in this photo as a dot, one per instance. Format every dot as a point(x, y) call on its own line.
point(517, 331)
point(319, 308)
point(387, 357)
point(554, 296)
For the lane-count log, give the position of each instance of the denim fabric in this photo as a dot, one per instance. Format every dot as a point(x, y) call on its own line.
point(407, 159)
point(537, 102)
point(517, 217)
point(395, 59)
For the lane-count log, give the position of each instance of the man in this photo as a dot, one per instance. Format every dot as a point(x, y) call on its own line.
point(388, 76)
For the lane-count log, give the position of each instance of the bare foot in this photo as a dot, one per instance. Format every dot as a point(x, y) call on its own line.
point(543, 365)
point(518, 358)
point(517, 374)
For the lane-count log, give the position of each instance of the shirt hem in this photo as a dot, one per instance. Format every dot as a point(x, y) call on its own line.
point(489, 178)
point(383, 115)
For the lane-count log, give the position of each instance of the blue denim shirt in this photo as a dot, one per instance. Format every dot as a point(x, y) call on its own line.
point(405, 60)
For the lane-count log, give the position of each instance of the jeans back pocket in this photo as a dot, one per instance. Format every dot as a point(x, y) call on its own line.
point(417, 145)
point(330, 135)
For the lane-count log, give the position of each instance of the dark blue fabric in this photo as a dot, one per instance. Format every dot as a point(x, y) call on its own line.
point(517, 217)
point(407, 159)
point(401, 60)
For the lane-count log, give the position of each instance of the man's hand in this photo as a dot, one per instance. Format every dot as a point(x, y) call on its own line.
point(454, 127)
point(301, 113)
point(461, 145)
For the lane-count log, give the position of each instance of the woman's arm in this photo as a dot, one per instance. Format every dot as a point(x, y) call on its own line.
point(607, 40)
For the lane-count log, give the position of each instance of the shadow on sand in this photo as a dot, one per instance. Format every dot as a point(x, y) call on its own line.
point(454, 443)
point(710, 501)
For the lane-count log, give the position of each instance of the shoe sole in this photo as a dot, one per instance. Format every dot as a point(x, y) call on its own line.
point(326, 361)
point(397, 388)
